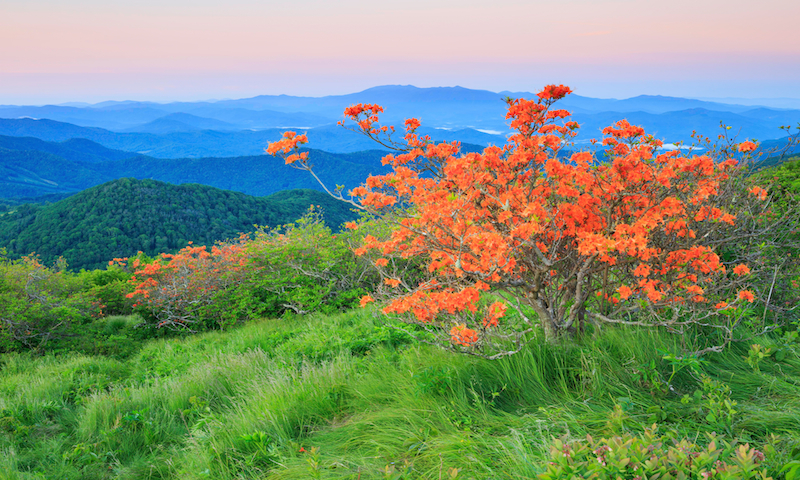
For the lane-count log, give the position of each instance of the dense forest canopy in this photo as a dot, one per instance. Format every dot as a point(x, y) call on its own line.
point(122, 217)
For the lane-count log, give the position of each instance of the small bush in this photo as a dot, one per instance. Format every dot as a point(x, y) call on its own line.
point(652, 456)
point(39, 304)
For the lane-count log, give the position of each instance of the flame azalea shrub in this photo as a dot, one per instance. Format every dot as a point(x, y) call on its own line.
point(178, 291)
point(653, 456)
point(627, 236)
point(299, 268)
point(40, 305)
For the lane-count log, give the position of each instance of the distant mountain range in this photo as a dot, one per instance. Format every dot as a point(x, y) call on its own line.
point(229, 128)
point(31, 168)
point(213, 143)
point(116, 154)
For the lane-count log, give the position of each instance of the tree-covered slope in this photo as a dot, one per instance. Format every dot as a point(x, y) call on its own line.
point(75, 149)
point(255, 175)
point(32, 173)
point(30, 167)
point(119, 218)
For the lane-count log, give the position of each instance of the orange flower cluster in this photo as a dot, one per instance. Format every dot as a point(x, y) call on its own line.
point(747, 146)
point(758, 192)
point(747, 295)
point(741, 269)
point(543, 228)
point(461, 335)
point(289, 142)
point(173, 286)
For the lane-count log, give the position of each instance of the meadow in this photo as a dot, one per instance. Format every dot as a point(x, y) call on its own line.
point(348, 396)
point(500, 315)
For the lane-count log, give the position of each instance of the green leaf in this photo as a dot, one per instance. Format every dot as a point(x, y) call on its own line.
point(791, 469)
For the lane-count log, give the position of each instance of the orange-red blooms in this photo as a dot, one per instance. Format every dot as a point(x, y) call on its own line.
point(287, 144)
point(747, 146)
point(365, 300)
point(624, 292)
point(741, 269)
point(759, 192)
point(174, 286)
point(544, 229)
point(746, 295)
point(462, 335)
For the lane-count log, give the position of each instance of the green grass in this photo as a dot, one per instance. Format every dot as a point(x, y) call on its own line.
point(243, 403)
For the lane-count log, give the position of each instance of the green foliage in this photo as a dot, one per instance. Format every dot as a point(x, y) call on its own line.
point(119, 218)
point(713, 403)
point(303, 267)
point(652, 456)
point(756, 354)
point(109, 287)
point(39, 304)
point(346, 396)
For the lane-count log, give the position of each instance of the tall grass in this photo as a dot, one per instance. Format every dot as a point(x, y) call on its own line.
point(254, 402)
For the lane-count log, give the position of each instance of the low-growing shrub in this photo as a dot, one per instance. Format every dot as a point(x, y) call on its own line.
point(652, 456)
point(40, 304)
point(109, 287)
point(298, 268)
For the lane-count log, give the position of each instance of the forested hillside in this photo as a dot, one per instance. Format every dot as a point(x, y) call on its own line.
point(30, 167)
point(119, 218)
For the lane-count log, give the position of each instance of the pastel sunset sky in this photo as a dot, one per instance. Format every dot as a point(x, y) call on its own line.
point(54, 51)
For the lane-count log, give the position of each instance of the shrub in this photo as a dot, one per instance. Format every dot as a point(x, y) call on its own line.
point(40, 304)
point(174, 289)
point(298, 268)
point(110, 287)
point(652, 456)
point(633, 238)
point(303, 267)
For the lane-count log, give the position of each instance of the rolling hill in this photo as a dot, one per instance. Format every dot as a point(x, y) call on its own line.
point(30, 168)
point(121, 217)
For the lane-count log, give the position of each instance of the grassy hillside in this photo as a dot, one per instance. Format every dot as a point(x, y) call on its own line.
point(119, 218)
point(347, 397)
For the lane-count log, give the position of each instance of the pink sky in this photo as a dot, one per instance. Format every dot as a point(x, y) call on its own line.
point(93, 50)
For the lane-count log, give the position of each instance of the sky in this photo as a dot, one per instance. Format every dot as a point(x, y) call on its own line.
point(55, 51)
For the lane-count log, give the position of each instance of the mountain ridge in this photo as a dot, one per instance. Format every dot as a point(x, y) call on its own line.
point(449, 107)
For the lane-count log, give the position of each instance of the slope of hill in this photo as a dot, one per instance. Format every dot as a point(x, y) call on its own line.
point(182, 122)
point(119, 218)
point(73, 149)
point(31, 173)
point(255, 175)
point(30, 167)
